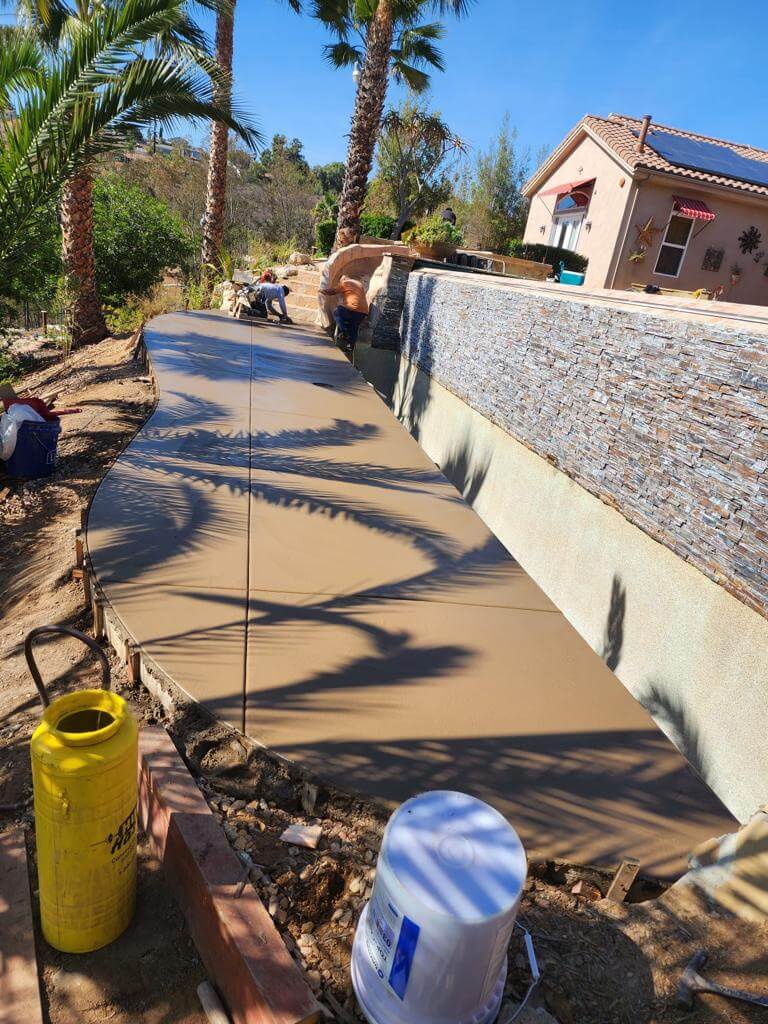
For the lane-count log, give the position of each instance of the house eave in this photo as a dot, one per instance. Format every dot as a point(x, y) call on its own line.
point(684, 183)
point(566, 147)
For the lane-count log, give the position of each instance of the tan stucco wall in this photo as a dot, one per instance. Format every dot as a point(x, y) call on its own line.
point(605, 212)
point(692, 654)
point(733, 217)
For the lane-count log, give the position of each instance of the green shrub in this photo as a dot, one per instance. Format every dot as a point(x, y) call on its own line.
point(548, 254)
point(325, 233)
point(377, 225)
point(124, 319)
point(10, 365)
point(136, 239)
point(435, 231)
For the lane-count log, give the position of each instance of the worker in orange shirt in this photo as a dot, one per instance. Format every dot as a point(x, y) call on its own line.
point(350, 312)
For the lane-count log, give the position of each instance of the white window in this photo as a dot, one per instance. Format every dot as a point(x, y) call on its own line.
point(565, 230)
point(568, 217)
point(673, 248)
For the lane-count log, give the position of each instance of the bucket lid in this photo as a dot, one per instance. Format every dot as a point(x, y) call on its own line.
point(456, 855)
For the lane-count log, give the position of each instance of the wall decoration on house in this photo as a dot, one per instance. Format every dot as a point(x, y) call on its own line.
point(637, 255)
point(758, 257)
point(646, 232)
point(713, 259)
point(749, 240)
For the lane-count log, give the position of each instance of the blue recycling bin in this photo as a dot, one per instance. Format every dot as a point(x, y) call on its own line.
point(36, 449)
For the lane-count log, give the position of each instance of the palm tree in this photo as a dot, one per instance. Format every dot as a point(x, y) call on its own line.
point(216, 187)
point(166, 28)
point(392, 39)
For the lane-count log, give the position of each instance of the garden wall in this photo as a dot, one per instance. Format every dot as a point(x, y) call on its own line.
point(620, 454)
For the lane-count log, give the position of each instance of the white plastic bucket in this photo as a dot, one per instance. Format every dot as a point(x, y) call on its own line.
point(431, 945)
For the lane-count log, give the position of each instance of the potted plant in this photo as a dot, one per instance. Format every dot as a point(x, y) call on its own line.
point(735, 273)
point(435, 238)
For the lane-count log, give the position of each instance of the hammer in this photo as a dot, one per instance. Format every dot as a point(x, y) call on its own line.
point(692, 982)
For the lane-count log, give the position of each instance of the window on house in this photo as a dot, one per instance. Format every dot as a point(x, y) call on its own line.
point(565, 231)
point(568, 216)
point(672, 251)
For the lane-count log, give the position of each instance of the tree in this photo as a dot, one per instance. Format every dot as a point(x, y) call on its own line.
point(216, 188)
point(492, 208)
point(330, 177)
point(216, 191)
point(136, 239)
point(392, 39)
point(106, 69)
point(414, 156)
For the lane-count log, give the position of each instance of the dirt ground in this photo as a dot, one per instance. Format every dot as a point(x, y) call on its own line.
point(151, 973)
point(601, 962)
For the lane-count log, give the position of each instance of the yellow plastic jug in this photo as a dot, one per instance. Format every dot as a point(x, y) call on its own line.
point(84, 763)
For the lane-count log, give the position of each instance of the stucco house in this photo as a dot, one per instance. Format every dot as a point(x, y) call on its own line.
point(651, 204)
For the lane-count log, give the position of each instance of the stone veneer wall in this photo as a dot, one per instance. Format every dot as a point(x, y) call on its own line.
point(664, 419)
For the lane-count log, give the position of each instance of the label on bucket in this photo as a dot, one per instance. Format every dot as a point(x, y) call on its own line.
point(392, 960)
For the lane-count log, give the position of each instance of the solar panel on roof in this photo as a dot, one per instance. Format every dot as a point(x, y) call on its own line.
point(707, 156)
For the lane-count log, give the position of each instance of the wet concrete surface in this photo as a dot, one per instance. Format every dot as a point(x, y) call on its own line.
point(278, 543)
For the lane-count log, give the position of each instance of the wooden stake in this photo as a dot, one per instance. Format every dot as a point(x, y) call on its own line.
point(623, 879)
point(79, 552)
point(86, 586)
point(98, 618)
point(133, 662)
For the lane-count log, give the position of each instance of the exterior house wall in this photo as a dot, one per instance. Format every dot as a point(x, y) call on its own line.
point(620, 455)
point(605, 211)
point(733, 216)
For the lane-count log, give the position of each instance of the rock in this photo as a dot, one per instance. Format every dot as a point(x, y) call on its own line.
point(299, 259)
point(303, 835)
point(314, 978)
point(355, 885)
point(307, 928)
point(241, 843)
point(237, 805)
point(368, 856)
point(281, 917)
point(274, 906)
point(337, 914)
point(283, 272)
point(306, 873)
point(586, 889)
point(335, 847)
point(345, 918)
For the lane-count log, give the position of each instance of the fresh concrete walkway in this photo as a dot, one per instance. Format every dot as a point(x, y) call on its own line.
point(282, 548)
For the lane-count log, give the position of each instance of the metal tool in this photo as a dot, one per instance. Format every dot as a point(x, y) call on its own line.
point(692, 983)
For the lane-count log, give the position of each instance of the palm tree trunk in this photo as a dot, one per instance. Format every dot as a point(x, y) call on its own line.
point(366, 121)
point(216, 191)
point(77, 253)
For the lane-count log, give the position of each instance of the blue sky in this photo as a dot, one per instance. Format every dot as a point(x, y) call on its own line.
point(694, 65)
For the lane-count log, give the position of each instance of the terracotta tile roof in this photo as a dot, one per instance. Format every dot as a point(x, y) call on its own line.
point(617, 131)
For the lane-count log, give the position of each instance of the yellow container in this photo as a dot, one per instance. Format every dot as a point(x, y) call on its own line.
point(84, 762)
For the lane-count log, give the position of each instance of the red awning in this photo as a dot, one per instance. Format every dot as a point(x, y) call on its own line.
point(566, 187)
point(695, 208)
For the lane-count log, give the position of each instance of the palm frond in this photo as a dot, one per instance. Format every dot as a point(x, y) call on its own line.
point(416, 80)
point(96, 91)
point(21, 62)
point(342, 54)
